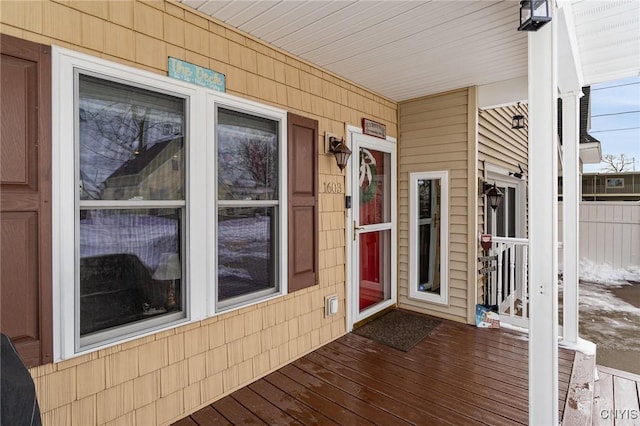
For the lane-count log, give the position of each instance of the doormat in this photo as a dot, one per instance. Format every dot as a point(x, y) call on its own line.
point(398, 329)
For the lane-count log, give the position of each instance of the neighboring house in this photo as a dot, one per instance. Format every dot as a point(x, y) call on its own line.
point(164, 243)
point(622, 186)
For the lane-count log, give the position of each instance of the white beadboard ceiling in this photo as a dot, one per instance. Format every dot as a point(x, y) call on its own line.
point(407, 49)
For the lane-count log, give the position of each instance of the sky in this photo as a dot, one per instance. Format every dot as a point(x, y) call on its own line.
point(615, 106)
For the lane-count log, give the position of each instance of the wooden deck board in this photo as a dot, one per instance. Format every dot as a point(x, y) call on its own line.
point(288, 404)
point(625, 402)
point(269, 413)
point(209, 417)
point(457, 375)
point(602, 400)
point(616, 400)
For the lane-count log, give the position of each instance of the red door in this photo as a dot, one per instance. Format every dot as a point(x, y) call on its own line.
point(25, 197)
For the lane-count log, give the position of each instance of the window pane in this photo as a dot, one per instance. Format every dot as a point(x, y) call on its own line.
point(375, 272)
point(500, 216)
point(247, 157)
point(511, 205)
point(246, 251)
point(429, 230)
point(130, 266)
point(131, 142)
point(375, 186)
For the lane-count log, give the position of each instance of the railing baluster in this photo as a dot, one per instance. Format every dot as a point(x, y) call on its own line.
point(512, 277)
point(525, 286)
point(511, 264)
point(499, 272)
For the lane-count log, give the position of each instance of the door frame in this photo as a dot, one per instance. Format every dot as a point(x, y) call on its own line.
point(351, 303)
point(500, 175)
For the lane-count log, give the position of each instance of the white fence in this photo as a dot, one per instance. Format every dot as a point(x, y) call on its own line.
point(609, 232)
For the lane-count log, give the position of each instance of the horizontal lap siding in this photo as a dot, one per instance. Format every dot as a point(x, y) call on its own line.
point(163, 377)
point(500, 145)
point(434, 137)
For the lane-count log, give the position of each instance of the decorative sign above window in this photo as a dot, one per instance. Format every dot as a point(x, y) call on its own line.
point(372, 128)
point(196, 74)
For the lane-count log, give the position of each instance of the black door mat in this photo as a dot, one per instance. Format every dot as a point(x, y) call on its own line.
point(398, 329)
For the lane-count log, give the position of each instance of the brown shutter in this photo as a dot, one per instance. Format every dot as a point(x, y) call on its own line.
point(25, 197)
point(303, 202)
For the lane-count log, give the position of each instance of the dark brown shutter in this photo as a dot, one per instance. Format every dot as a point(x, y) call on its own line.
point(25, 194)
point(303, 202)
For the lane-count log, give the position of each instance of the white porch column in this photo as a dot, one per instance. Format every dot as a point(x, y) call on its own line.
point(570, 214)
point(543, 226)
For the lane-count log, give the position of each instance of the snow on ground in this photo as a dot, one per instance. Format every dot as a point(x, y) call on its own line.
point(605, 318)
point(607, 275)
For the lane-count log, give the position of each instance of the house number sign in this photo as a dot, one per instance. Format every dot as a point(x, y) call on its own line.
point(332, 188)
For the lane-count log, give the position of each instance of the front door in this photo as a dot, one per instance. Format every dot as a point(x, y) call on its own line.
point(373, 237)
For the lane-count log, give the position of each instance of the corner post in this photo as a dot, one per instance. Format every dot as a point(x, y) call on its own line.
point(570, 214)
point(543, 225)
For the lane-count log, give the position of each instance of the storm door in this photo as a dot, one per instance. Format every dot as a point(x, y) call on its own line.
point(373, 188)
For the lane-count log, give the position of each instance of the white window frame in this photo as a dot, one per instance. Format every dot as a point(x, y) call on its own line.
point(199, 283)
point(222, 100)
point(414, 239)
point(500, 176)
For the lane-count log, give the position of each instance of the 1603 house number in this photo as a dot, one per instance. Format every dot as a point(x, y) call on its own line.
point(332, 188)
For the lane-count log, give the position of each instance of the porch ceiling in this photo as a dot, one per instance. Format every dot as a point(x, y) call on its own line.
point(407, 49)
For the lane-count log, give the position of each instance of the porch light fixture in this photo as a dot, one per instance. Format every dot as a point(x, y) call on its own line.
point(493, 194)
point(533, 14)
point(340, 150)
point(517, 121)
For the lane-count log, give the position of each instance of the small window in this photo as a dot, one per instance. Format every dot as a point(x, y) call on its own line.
point(130, 215)
point(428, 236)
point(248, 207)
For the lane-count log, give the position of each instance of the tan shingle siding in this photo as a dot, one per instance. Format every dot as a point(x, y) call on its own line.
point(236, 347)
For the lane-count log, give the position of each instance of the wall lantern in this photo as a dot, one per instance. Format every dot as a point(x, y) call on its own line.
point(494, 195)
point(340, 150)
point(533, 14)
point(517, 121)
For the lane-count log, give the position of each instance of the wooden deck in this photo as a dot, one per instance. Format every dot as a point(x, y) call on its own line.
point(616, 400)
point(458, 375)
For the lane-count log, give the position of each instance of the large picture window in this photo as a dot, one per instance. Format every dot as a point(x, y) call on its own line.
point(428, 236)
point(248, 206)
point(130, 144)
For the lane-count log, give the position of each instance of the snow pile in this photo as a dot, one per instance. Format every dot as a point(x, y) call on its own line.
point(607, 275)
point(605, 318)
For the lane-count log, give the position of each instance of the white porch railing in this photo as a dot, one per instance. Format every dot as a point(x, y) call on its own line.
point(507, 282)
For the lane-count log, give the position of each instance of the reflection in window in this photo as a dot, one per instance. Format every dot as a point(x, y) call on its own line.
point(429, 227)
point(130, 266)
point(246, 259)
point(248, 203)
point(428, 236)
point(375, 186)
point(131, 142)
point(247, 157)
point(131, 191)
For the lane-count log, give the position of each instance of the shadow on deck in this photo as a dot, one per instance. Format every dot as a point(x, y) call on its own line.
point(458, 375)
